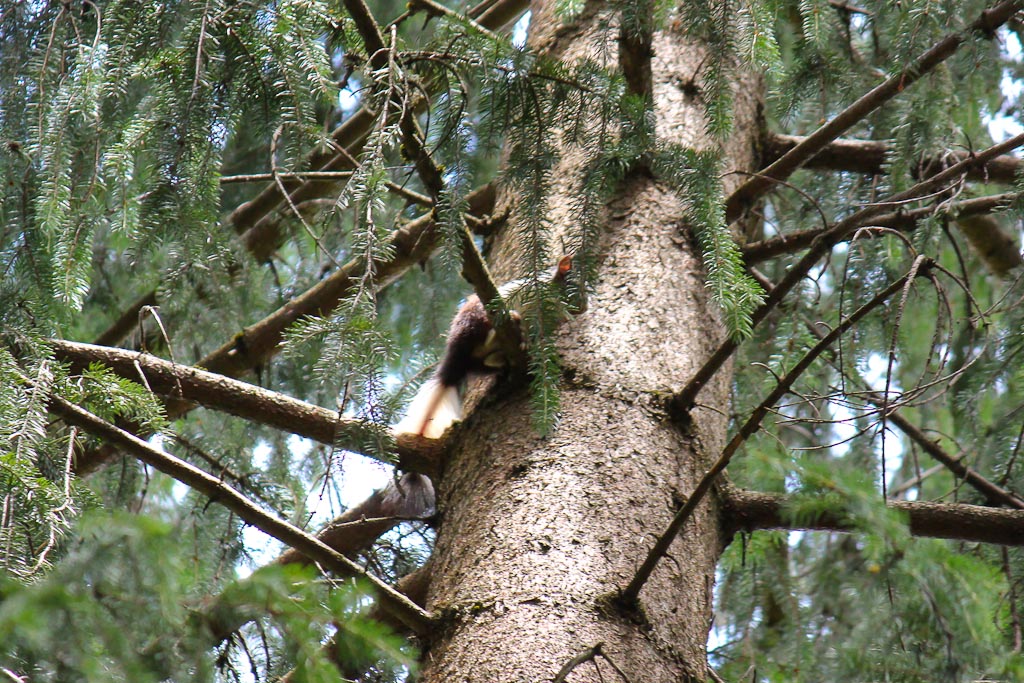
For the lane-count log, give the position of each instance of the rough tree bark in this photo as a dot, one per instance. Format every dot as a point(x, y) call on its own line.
point(536, 536)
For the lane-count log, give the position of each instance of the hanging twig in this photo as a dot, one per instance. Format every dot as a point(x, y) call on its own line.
point(747, 193)
point(681, 403)
point(750, 426)
point(404, 609)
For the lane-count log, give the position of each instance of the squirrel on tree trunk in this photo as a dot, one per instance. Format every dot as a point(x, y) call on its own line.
point(471, 348)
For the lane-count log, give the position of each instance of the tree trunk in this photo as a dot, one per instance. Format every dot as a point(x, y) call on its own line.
point(537, 535)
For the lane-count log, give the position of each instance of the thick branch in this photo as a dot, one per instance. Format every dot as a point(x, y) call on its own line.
point(781, 169)
point(257, 220)
point(495, 15)
point(871, 157)
point(216, 490)
point(750, 511)
point(183, 386)
point(354, 531)
point(412, 243)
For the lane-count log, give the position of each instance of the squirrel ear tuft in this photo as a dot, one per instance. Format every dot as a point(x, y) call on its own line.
point(564, 265)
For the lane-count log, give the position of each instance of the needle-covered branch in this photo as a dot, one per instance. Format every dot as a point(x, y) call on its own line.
point(810, 146)
point(474, 268)
point(681, 403)
point(410, 497)
point(415, 585)
point(410, 244)
point(751, 511)
point(349, 136)
point(751, 425)
point(183, 386)
point(256, 344)
point(258, 221)
point(216, 490)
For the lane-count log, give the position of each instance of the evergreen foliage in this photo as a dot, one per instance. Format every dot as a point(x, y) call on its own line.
point(121, 122)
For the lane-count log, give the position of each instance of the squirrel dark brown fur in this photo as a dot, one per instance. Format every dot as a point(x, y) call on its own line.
point(470, 349)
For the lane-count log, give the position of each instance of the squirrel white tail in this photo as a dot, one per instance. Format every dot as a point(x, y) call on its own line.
point(433, 410)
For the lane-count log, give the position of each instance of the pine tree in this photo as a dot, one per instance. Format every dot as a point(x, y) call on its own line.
point(768, 429)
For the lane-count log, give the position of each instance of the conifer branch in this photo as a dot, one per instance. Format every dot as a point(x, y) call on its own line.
point(216, 490)
point(256, 220)
point(474, 268)
point(183, 386)
point(352, 532)
point(258, 343)
point(992, 492)
point(414, 585)
point(871, 156)
point(751, 511)
point(348, 136)
point(256, 215)
point(412, 243)
point(756, 252)
point(752, 424)
point(680, 404)
point(782, 168)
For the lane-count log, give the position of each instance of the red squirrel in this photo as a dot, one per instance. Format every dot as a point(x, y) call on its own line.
point(471, 349)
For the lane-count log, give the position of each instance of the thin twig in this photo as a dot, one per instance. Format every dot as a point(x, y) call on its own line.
point(404, 609)
point(750, 426)
point(784, 167)
point(681, 403)
point(304, 175)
